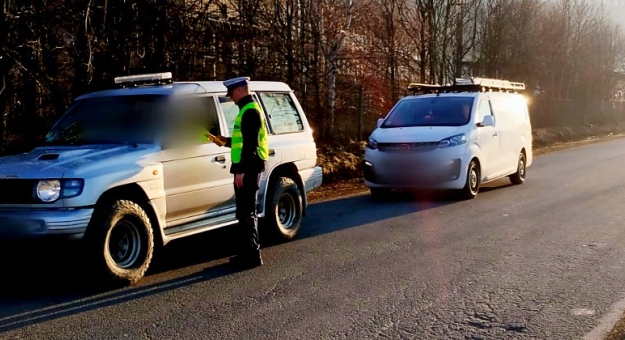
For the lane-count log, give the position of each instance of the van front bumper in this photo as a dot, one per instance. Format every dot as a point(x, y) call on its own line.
point(26, 223)
point(446, 170)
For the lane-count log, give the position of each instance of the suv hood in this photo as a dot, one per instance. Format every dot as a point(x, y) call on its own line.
point(58, 161)
point(416, 134)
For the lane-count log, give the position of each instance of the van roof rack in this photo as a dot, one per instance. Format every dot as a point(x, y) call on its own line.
point(468, 85)
point(144, 79)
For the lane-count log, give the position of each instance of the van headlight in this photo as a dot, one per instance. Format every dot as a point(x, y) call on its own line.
point(50, 190)
point(453, 141)
point(372, 143)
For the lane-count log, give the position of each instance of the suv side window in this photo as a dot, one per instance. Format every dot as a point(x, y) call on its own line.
point(210, 113)
point(193, 116)
point(281, 112)
point(484, 110)
point(231, 111)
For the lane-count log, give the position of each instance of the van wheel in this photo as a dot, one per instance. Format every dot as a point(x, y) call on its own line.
point(519, 177)
point(472, 186)
point(121, 243)
point(380, 194)
point(284, 210)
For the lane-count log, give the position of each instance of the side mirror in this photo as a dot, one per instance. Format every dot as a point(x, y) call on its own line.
point(380, 120)
point(488, 121)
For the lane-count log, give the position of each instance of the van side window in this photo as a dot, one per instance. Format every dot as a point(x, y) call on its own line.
point(484, 110)
point(281, 112)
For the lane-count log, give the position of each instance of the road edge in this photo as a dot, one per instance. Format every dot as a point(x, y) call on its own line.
point(607, 322)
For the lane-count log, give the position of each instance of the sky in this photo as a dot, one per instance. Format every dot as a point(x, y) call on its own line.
point(616, 8)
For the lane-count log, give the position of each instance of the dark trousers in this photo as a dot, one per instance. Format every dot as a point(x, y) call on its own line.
point(246, 197)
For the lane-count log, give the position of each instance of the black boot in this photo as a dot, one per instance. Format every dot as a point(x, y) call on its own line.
point(249, 256)
point(245, 261)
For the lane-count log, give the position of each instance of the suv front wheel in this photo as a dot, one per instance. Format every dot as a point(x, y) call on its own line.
point(284, 209)
point(121, 242)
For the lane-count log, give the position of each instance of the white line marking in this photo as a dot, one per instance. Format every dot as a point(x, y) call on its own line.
point(607, 322)
point(582, 312)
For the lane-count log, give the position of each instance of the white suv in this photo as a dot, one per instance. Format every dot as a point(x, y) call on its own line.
point(129, 168)
point(451, 137)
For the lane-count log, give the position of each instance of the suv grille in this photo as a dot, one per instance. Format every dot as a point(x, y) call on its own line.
point(17, 191)
point(407, 147)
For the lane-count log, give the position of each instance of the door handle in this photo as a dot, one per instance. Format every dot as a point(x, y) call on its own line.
point(220, 159)
point(495, 134)
point(272, 152)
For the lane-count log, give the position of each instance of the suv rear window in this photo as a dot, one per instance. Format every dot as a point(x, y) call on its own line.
point(433, 111)
point(282, 113)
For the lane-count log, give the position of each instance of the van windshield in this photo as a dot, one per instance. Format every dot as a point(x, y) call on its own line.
point(433, 111)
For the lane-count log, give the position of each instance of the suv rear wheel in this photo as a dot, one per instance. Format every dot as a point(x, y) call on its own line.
point(284, 210)
point(121, 242)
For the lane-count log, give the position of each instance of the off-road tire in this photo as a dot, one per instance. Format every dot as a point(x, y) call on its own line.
point(283, 215)
point(380, 194)
point(127, 221)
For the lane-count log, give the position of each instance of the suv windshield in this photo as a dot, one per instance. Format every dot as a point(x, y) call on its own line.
point(433, 111)
point(109, 120)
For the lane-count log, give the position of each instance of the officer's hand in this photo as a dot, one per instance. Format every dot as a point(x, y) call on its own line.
point(238, 180)
point(221, 140)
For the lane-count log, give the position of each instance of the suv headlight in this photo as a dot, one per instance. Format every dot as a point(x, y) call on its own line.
point(453, 141)
point(372, 143)
point(50, 190)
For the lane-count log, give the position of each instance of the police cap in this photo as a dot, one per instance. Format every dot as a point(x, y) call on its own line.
point(233, 83)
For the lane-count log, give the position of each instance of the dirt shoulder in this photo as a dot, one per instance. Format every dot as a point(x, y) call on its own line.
point(347, 187)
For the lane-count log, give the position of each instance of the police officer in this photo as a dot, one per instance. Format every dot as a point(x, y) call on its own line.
point(249, 152)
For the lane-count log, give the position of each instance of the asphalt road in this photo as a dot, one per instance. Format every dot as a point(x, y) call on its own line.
point(539, 261)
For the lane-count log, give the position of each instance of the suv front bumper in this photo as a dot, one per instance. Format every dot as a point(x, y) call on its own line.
point(27, 223)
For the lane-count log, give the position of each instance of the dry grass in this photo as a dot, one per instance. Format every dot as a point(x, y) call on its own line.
point(548, 137)
point(341, 162)
point(618, 332)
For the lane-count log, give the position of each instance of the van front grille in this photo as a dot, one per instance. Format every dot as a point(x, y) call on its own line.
point(407, 147)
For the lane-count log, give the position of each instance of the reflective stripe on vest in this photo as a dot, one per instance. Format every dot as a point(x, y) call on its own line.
point(237, 136)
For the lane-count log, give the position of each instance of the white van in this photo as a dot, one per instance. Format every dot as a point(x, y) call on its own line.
point(451, 137)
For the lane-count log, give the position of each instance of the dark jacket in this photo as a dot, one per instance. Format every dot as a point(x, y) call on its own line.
point(250, 126)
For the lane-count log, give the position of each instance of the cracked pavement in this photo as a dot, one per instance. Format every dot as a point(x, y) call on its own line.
point(515, 263)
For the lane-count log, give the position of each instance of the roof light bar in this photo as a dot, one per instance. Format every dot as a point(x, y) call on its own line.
point(160, 78)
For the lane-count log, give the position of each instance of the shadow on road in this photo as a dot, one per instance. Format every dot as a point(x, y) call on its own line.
point(45, 281)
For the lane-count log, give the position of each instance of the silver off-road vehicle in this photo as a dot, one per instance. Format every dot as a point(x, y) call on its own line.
point(129, 169)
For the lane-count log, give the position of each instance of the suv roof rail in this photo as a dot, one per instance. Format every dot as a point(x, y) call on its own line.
point(469, 85)
point(145, 79)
